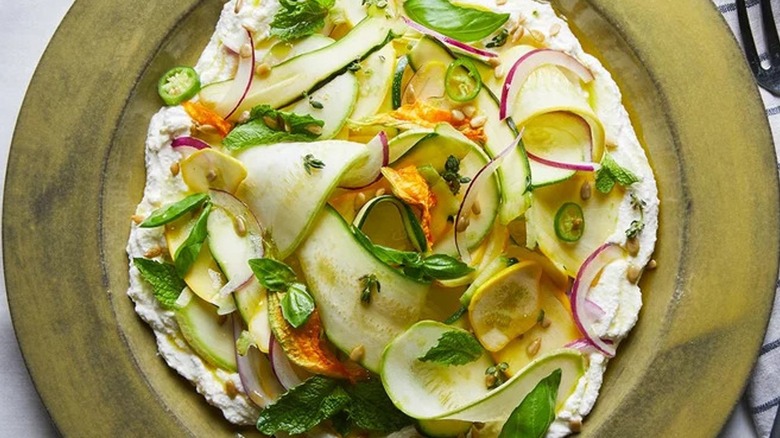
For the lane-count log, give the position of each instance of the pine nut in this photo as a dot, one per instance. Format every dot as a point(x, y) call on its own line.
point(555, 29)
point(469, 111)
point(476, 208)
point(175, 167)
point(537, 35)
point(463, 223)
point(357, 353)
point(360, 199)
point(230, 389)
point(246, 51)
point(633, 273)
point(211, 176)
point(137, 218)
point(240, 226)
point(153, 252)
point(262, 69)
point(534, 347)
point(458, 116)
point(478, 122)
point(380, 192)
point(652, 265)
point(632, 246)
point(585, 191)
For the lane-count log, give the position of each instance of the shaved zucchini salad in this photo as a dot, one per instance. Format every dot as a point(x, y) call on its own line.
point(393, 218)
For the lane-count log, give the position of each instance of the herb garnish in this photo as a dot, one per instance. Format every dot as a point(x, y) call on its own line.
point(310, 162)
point(380, 4)
point(536, 412)
point(455, 347)
point(166, 284)
point(638, 225)
point(462, 23)
point(174, 211)
point(498, 40)
point(297, 304)
point(495, 375)
point(364, 405)
point(354, 66)
point(456, 316)
point(299, 18)
point(612, 173)
point(452, 176)
point(369, 285)
point(267, 126)
point(413, 264)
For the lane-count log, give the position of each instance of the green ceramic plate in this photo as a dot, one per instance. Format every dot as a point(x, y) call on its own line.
point(76, 173)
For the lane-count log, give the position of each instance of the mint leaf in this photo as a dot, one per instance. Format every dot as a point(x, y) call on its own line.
point(444, 267)
point(604, 181)
point(166, 284)
point(297, 305)
point(174, 211)
point(536, 412)
point(463, 24)
point(456, 347)
point(188, 252)
point(372, 409)
point(298, 18)
point(267, 126)
point(623, 176)
point(303, 407)
point(610, 173)
point(273, 274)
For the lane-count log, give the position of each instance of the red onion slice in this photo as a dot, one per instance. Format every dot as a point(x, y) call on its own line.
point(370, 172)
point(283, 369)
point(255, 373)
point(449, 41)
point(594, 310)
point(584, 345)
point(190, 142)
point(586, 167)
point(241, 84)
point(529, 62)
point(590, 268)
point(476, 186)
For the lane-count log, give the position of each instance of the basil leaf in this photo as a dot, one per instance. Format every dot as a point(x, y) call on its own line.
point(174, 211)
point(298, 18)
point(188, 252)
point(297, 305)
point(166, 284)
point(461, 23)
point(444, 267)
point(413, 265)
point(273, 274)
point(372, 409)
point(267, 126)
point(303, 407)
point(536, 412)
point(456, 347)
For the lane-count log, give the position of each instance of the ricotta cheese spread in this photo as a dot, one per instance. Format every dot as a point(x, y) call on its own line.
point(619, 298)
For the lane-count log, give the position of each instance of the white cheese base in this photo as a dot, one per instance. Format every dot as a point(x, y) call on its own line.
point(620, 300)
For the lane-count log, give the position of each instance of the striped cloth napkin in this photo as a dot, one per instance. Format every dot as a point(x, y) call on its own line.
point(763, 390)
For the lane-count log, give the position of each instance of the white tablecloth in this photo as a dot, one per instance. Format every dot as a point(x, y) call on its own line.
point(25, 29)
